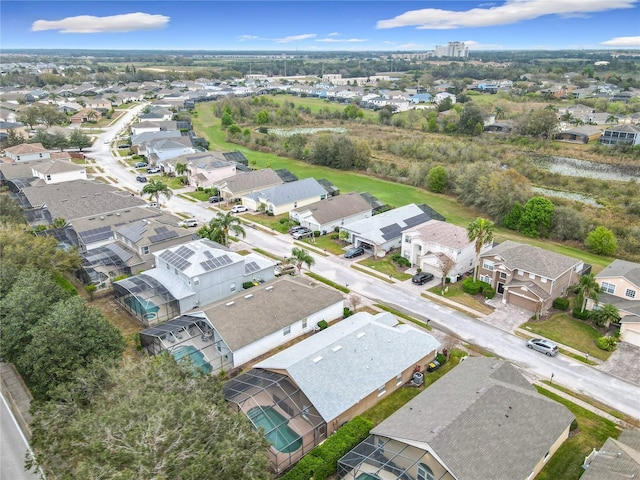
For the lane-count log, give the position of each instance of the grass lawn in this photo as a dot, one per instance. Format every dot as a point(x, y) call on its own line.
point(454, 292)
point(174, 183)
point(202, 196)
point(571, 332)
point(324, 242)
point(317, 105)
point(566, 463)
point(267, 254)
point(402, 315)
point(386, 267)
point(326, 281)
point(270, 222)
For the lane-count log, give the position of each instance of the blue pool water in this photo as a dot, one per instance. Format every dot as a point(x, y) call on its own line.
point(276, 429)
point(141, 306)
point(197, 357)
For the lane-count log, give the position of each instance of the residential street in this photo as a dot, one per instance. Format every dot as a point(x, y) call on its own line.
point(13, 447)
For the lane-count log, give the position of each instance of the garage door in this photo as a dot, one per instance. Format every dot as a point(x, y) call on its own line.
point(632, 337)
point(521, 302)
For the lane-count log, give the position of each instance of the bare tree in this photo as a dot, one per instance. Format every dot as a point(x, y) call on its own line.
point(354, 301)
point(445, 265)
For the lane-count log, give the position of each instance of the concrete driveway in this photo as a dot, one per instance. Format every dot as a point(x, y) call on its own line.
point(506, 317)
point(624, 363)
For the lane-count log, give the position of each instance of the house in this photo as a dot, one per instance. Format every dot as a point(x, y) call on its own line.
point(186, 276)
point(159, 151)
point(245, 183)
point(139, 142)
point(16, 127)
point(426, 245)
point(620, 286)
point(313, 387)
point(84, 116)
point(56, 171)
point(333, 212)
point(527, 276)
point(617, 458)
point(382, 232)
point(439, 97)
point(249, 324)
point(621, 134)
point(481, 420)
point(283, 198)
point(581, 134)
point(205, 169)
point(158, 126)
point(26, 152)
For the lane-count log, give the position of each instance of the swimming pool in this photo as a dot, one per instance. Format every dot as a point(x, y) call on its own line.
point(367, 476)
point(197, 357)
point(141, 306)
point(276, 429)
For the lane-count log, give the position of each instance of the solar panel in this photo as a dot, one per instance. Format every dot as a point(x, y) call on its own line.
point(173, 259)
point(95, 234)
point(134, 231)
point(162, 233)
point(417, 220)
point(208, 254)
point(251, 267)
point(184, 252)
point(391, 231)
point(215, 262)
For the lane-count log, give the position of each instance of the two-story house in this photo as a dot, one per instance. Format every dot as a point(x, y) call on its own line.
point(621, 134)
point(283, 198)
point(528, 277)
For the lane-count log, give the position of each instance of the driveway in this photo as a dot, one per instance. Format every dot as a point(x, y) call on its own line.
point(506, 317)
point(624, 363)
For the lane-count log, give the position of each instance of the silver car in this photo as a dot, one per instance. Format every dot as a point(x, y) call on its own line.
point(545, 346)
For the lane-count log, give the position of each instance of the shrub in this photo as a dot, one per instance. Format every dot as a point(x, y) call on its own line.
point(120, 277)
point(580, 315)
point(561, 303)
point(607, 343)
point(346, 312)
point(471, 286)
point(246, 285)
point(441, 358)
point(334, 236)
point(317, 233)
point(322, 324)
point(400, 260)
point(489, 292)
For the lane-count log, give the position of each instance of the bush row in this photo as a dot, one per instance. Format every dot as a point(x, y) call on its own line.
point(561, 303)
point(474, 287)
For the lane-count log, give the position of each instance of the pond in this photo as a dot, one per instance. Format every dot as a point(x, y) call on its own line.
point(573, 167)
point(576, 197)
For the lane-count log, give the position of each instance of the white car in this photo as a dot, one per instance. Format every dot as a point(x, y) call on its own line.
point(239, 209)
point(188, 222)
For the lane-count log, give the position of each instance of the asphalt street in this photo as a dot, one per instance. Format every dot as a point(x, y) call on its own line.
point(13, 447)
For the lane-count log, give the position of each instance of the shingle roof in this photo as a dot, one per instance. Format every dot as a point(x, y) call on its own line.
point(532, 259)
point(291, 192)
point(442, 233)
point(25, 148)
point(482, 401)
point(341, 365)
point(335, 208)
point(253, 180)
point(56, 166)
point(622, 268)
point(616, 458)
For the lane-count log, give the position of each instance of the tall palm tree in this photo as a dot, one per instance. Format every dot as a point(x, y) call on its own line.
point(603, 317)
point(481, 231)
point(155, 188)
point(218, 228)
point(301, 256)
point(587, 288)
point(611, 119)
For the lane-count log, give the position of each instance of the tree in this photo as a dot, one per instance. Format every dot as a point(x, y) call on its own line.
point(29, 116)
point(181, 168)
point(300, 256)
point(481, 232)
point(538, 123)
point(604, 315)
point(79, 140)
point(445, 104)
point(155, 188)
point(13, 138)
point(535, 220)
point(587, 288)
point(385, 114)
point(601, 241)
point(512, 219)
point(437, 179)
point(471, 120)
point(445, 265)
point(567, 224)
point(59, 140)
point(226, 120)
point(148, 418)
point(219, 227)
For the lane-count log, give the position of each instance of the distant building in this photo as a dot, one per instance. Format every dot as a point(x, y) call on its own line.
point(452, 49)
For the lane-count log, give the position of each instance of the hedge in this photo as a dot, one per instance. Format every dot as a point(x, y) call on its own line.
point(489, 292)
point(322, 461)
point(474, 287)
point(580, 315)
point(561, 303)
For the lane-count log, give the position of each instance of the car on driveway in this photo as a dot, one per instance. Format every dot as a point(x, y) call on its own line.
point(295, 228)
point(302, 233)
point(188, 222)
point(354, 252)
point(154, 170)
point(422, 278)
point(140, 164)
point(215, 199)
point(239, 209)
point(141, 179)
point(284, 269)
point(550, 349)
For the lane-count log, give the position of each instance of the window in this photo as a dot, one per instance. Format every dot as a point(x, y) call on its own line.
point(608, 287)
point(630, 293)
point(424, 472)
point(196, 281)
point(304, 323)
point(503, 275)
point(407, 239)
point(487, 264)
point(399, 379)
point(49, 178)
point(520, 272)
point(286, 330)
point(485, 278)
point(382, 390)
point(532, 276)
point(543, 279)
point(145, 250)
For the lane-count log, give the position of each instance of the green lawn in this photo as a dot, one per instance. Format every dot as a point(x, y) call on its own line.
point(454, 292)
point(272, 222)
point(328, 282)
point(324, 242)
point(571, 332)
point(316, 105)
point(202, 196)
point(385, 266)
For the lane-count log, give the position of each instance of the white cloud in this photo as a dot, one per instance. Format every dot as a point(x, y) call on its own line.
point(127, 22)
point(633, 42)
point(246, 38)
point(511, 11)
point(473, 45)
point(333, 34)
point(295, 38)
point(342, 40)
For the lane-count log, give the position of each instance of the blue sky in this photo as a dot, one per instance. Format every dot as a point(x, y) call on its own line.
point(320, 25)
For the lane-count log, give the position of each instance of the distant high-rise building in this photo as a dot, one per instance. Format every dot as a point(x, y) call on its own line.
point(452, 49)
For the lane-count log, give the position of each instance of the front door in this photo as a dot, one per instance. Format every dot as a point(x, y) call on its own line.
point(500, 288)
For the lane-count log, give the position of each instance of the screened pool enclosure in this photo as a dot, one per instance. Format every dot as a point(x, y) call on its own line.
point(146, 298)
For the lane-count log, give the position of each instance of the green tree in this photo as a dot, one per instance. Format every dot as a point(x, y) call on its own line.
point(13, 138)
point(587, 288)
point(567, 224)
point(300, 256)
point(155, 188)
point(79, 140)
point(471, 120)
point(535, 220)
point(181, 168)
point(59, 140)
point(604, 315)
point(538, 123)
point(10, 211)
point(218, 228)
point(481, 232)
point(143, 419)
point(352, 112)
point(512, 219)
point(385, 114)
point(29, 116)
point(601, 241)
point(262, 117)
point(226, 120)
point(445, 104)
point(437, 179)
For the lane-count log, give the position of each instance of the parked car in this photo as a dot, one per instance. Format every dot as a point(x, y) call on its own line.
point(354, 252)
point(284, 269)
point(215, 199)
point(239, 209)
point(141, 179)
point(433, 366)
point(140, 164)
point(154, 170)
point(295, 228)
point(302, 233)
point(188, 222)
point(422, 278)
point(545, 346)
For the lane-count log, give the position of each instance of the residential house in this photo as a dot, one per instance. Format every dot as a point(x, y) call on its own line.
point(141, 127)
point(580, 134)
point(440, 96)
point(620, 286)
point(16, 127)
point(621, 134)
point(527, 276)
point(249, 324)
point(84, 116)
point(333, 212)
point(429, 244)
point(382, 232)
point(313, 387)
point(159, 151)
point(205, 169)
point(245, 183)
point(498, 127)
point(481, 420)
point(100, 105)
point(283, 198)
point(617, 458)
point(56, 171)
point(26, 152)
point(186, 276)
point(139, 142)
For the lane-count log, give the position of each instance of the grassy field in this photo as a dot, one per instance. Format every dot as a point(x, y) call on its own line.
point(454, 292)
point(317, 105)
point(386, 267)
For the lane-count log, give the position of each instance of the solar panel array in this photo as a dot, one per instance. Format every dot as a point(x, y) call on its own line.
point(162, 233)
point(215, 262)
point(417, 220)
point(134, 231)
point(178, 258)
point(95, 234)
point(123, 254)
point(391, 231)
point(251, 267)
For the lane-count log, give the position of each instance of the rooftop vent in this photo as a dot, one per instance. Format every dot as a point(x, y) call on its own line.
point(269, 288)
point(360, 335)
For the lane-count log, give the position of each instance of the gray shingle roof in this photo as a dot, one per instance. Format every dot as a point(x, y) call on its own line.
point(621, 268)
point(442, 233)
point(483, 420)
point(532, 259)
point(335, 208)
point(616, 458)
point(291, 192)
point(253, 180)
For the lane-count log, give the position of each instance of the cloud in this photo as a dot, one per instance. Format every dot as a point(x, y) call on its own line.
point(411, 46)
point(473, 45)
point(633, 42)
point(333, 34)
point(342, 40)
point(295, 38)
point(511, 11)
point(127, 22)
point(246, 38)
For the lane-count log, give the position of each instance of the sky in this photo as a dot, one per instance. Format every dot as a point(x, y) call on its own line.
point(306, 25)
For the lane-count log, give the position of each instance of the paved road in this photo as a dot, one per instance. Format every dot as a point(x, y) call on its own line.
point(13, 447)
point(610, 390)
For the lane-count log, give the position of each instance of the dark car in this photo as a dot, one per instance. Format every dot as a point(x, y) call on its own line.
point(215, 199)
point(354, 252)
point(140, 164)
point(422, 278)
point(141, 179)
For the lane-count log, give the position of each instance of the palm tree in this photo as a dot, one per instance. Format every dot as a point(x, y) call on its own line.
point(155, 188)
point(301, 256)
point(181, 169)
point(587, 288)
point(219, 226)
point(612, 119)
point(481, 231)
point(602, 317)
